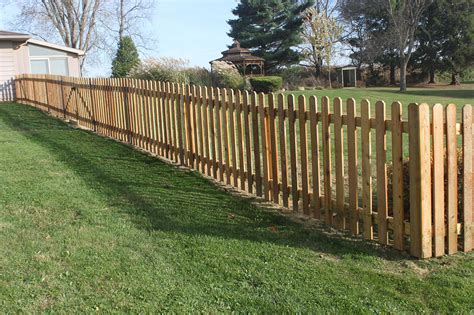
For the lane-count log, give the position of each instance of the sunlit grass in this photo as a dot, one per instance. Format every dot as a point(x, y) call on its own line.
point(88, 224)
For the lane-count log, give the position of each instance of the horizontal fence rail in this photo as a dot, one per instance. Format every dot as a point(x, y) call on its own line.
point(342, 162)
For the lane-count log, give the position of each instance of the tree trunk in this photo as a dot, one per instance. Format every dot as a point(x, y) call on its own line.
point(455, 79)
point(329, 78)
point(403, 73)
point(432, 75)
point(121, 20)
point(318, 68)
point(392, 74)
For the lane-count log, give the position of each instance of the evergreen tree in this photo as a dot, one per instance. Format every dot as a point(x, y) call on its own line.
point(371, 38)
point(457, 50)
point(430, 37)
point(270, 29)
point(126, 58)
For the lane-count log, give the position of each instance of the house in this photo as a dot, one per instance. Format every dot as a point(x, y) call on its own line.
point(20, 53)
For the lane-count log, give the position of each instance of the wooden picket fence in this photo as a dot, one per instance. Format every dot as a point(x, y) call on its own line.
point(324, 160)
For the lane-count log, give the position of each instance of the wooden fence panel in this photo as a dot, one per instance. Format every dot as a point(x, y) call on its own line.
point(248, 150)
point(200, 111)
point(232, 138)
point(339, 164)
point(353, 173)
point(273, 149)
point(438, 180)
point(468, 211)
point(366, 170)
point(452, 187)
point(283, 155)
point(292, 142)
point(420, 180)
point(255, 141)
point(219, 134)
point(397, 176)
point(467, 121)
point(303, 153)
point(315, 168)
point(256, 146)
point(194, 127)
point(240, 139)
point(264, 149)
point(381, 154)
point(326, 135)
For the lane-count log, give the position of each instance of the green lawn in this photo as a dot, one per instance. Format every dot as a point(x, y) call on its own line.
point(438, 94)
point(88, 224)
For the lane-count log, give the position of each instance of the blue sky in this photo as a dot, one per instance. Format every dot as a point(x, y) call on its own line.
point(192, 29)
point(195, 30)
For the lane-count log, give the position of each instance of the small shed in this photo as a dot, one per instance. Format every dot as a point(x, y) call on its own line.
point(347, 76)
point(243, 59)
point(20, 53)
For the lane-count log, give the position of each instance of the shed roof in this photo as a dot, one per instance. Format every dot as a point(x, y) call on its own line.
point(57, 47)
point(347, 67)
point(13, 35)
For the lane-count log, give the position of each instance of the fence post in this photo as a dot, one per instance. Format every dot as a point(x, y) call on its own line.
point(420, 180)
point(62, 99)
point(467, 178)
point(15, 88)
point(126, 102)
point(93, 103)
point(45, 77)
point(33, 87)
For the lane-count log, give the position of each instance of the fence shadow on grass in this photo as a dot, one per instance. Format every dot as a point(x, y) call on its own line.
point(157, 196)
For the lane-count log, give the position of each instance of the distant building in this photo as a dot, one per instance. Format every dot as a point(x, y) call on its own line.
point(20, 53)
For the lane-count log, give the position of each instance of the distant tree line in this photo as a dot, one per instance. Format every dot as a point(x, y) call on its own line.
point(426, 35)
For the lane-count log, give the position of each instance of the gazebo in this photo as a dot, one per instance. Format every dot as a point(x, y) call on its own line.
point(242, 58)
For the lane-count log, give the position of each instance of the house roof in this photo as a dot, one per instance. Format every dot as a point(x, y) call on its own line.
point(57, 47)
point(13, 36)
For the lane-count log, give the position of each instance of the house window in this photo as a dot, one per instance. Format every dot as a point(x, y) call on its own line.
point(39, 66)
point(57, 66)
point(48, 61)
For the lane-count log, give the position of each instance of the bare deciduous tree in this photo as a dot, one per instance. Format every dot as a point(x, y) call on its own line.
point(125, 17)
point(405, 16)
point(320, 34)
point(328, 10)
point(88, 25)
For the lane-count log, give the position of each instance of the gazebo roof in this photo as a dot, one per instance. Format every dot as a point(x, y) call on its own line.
point(237, 54)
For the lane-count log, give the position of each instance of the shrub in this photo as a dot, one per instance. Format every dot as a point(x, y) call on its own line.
point(266, 84)
point(294, 77)
point(126, 58)
point(161, 69)
point(226, 75)
point(199, 76)
point(172, 70)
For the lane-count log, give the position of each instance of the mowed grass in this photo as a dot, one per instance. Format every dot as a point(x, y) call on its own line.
point(88, 224)
point(442, 94)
